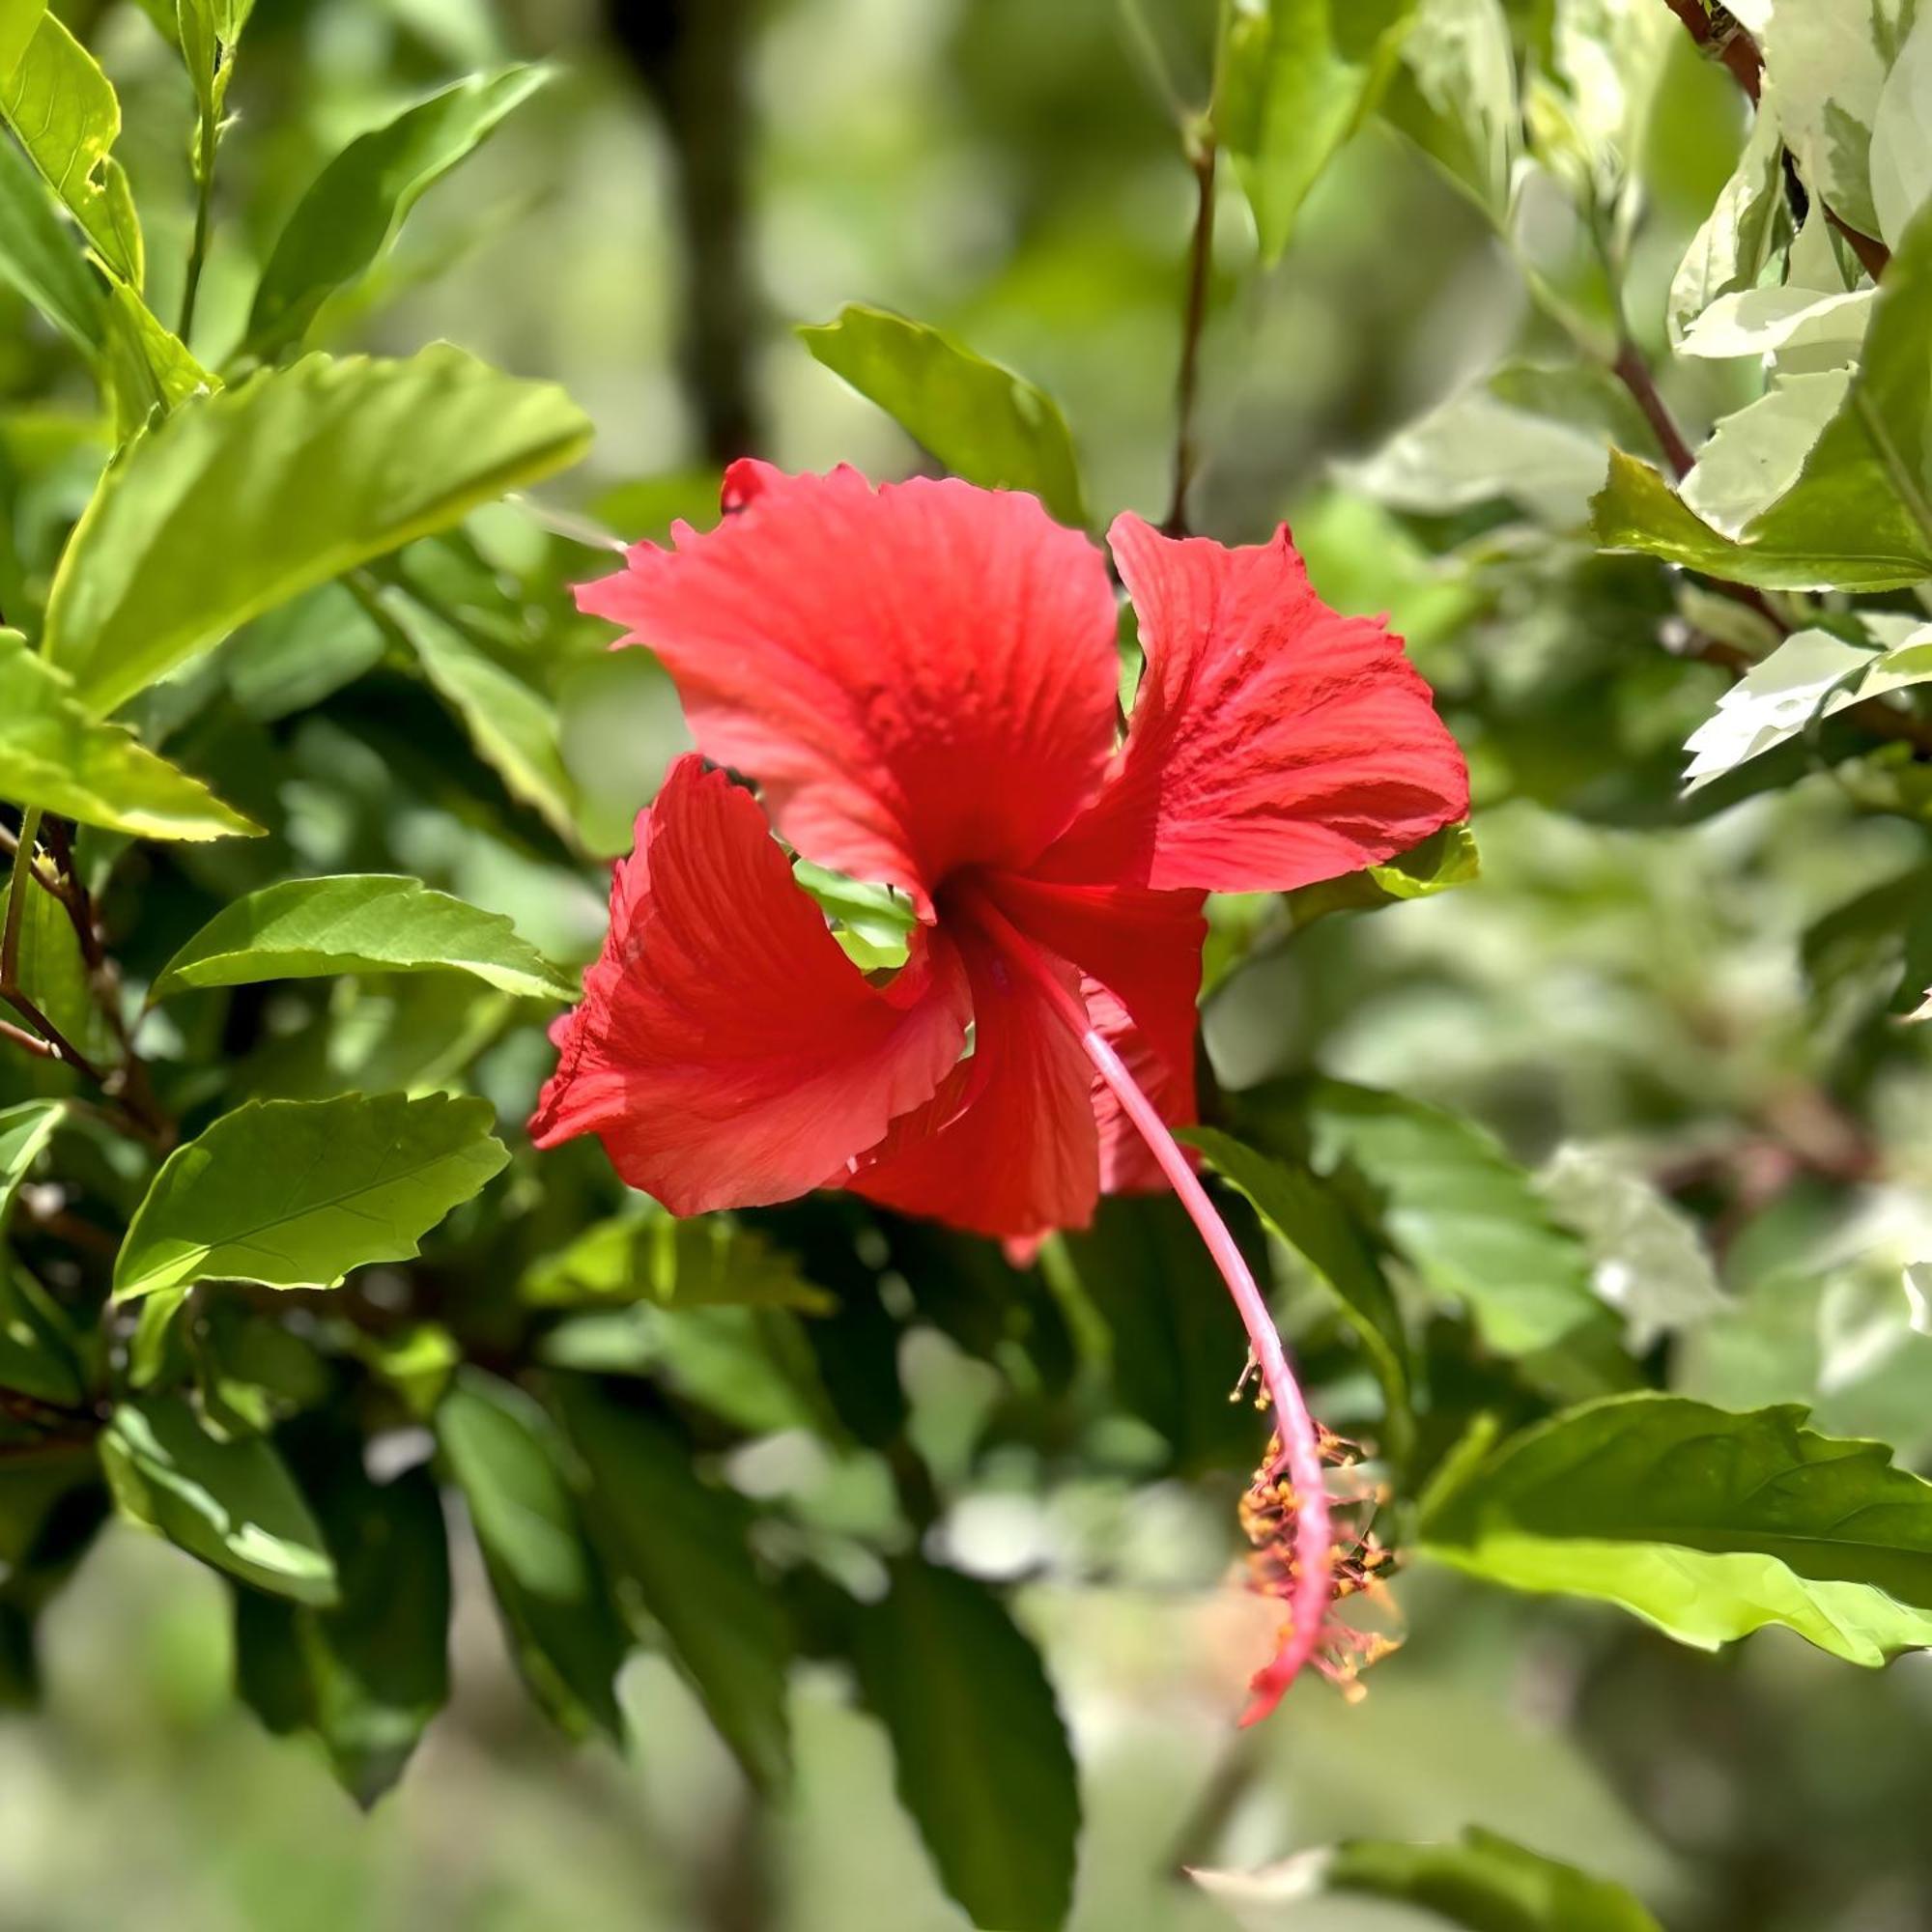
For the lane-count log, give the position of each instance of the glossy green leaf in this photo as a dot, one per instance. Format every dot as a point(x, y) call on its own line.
point(296, 1193)
point(982, 1760)
point(233, 1504)
point(146, 367)
point(981, 421)
point(55, 754)
point(1859, 515)
point(24, 1133)
point(362, 922)
point(346, 460)
point(352, 211)
point(512, 727)
point(367, 1676)
point(565, 1634)
point(1480, 1882)
point(1706, 1524)
point(1293, 79)
point(647, 1254)
point(680, 1544)
point(1306, 1214)
point(40, 256)
point(63, 110)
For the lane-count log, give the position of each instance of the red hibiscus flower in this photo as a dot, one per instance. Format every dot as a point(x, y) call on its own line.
point(922, 681)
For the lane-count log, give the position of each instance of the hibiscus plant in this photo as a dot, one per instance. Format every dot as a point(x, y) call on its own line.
point(999, 1075)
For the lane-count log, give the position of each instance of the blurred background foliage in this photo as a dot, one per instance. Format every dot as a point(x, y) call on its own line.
point(1680, 1016)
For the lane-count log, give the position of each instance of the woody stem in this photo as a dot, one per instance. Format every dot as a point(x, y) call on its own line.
point(1299, 1455)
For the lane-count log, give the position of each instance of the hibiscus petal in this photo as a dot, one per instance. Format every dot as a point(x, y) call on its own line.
point(1138, 952)
point(1007, 1147)
point(727, 1053)
point(1273, 743)
point(920, 677)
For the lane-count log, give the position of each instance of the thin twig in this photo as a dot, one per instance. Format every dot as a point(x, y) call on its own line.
point(1634, 372)
point(1203, 154)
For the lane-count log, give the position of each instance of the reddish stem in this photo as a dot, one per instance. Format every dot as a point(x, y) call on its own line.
point(1299, 1454)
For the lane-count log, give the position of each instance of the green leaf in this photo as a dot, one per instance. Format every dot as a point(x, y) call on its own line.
point(513, 728)
point(40, 257)
point(1810, 675)
point(1293, 79)
point(1466, 1216)
point(232, 1504)
point(353, 209)
point(1756, 455)
point(982, 1760)
point(981, 421)
point(680, 1544)
point(1858, 516)
point(367, 1676)
point(1481, 1882)
point(53, 754)
point(345, 460)
point(1308, 1215)
point(40, 1353)
point(296, 1193)
point(1901, 145)
point(1454, 96)
point(1729, 251)
point(1444, 859)
point(53, 973)
point(362, 922)
point(568, 1640)
point(65, 114)
point(145, 366)
point(646, 1253)
point(24, 1133)
point(1707, 1524)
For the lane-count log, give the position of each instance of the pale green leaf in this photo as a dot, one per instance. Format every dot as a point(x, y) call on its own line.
point(1729, 251)
point(1755, 456)
point(1901, 142)
point(1810, 675)
point(513, 727)
point(296, 1193)
point(53, 754)
point(1782, 322)
point(680, 1545)
point(352, 211)
point(1454, 96)
point(1858, 516)
point(233, 1504)
point(982, 1760)
point(981, 421)
point(362, 922)
point(65, 114)
point(1292, 80)
point(345, 460)
point(1707, 1524)
point(647, 1254)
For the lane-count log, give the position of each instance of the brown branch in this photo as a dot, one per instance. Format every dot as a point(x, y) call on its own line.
point(1201, 156)
point(1634, 372)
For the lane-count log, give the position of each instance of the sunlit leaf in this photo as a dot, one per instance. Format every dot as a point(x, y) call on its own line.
point(345, 460)
point(1900, 160)
point(1454, 96)
point(362, 922)
point(55, 754)
point(296, 1193)
point(40, 257)
point(981, 421)
point(983, 1759)
point(1730, 250)
point(233, 1504)
point(24, 1132)
point(1443, 861)
point(345, 221)
point(1707, 1524)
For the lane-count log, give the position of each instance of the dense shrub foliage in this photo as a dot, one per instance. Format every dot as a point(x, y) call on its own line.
point(1581, 1144)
